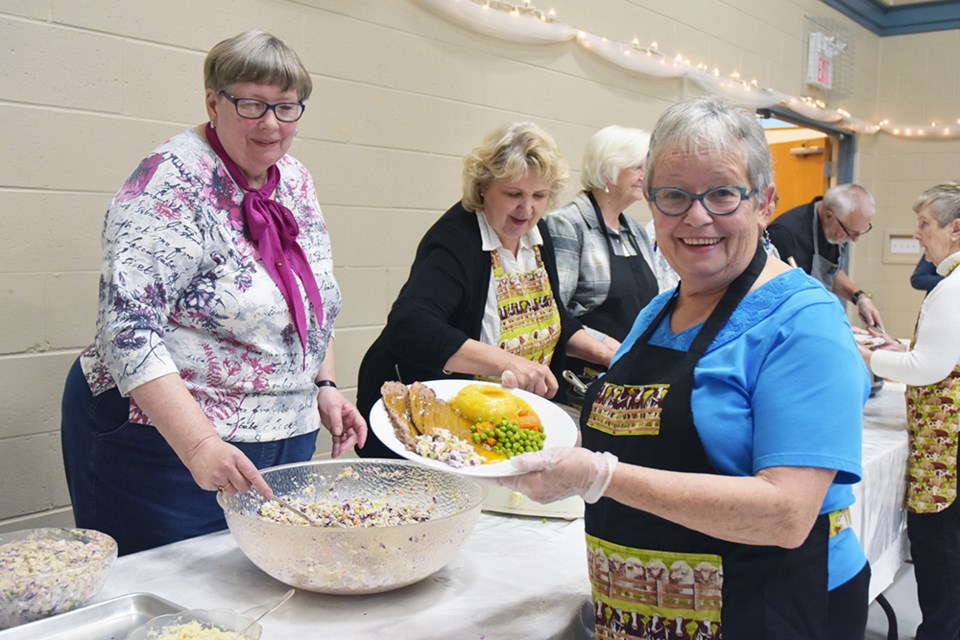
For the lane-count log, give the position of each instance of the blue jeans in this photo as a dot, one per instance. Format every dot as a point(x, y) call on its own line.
point(126, 481)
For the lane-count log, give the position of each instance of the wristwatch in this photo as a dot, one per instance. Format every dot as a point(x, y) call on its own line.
point(859, 293)
point(325, 383)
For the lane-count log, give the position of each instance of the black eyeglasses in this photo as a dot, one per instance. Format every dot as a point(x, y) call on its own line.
point(253, 109)
point(855, 235)
point(719, 201)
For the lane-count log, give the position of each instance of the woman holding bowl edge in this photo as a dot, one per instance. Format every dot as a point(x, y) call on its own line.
point(931, 369)
point(718, 451)
point(480, 300)
point(214, 348)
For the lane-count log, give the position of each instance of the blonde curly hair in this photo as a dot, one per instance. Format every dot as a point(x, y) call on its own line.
point(507, 153)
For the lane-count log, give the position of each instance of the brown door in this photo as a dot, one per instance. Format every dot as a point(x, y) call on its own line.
point(799, 169)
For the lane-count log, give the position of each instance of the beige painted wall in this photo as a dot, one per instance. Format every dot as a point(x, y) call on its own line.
point(88, 87)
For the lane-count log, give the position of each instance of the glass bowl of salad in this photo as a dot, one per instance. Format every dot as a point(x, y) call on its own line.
point(52, 570)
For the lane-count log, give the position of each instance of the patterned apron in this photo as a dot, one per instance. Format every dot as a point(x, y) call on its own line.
point(655, 579)
point(933, 419)
point(529, 318)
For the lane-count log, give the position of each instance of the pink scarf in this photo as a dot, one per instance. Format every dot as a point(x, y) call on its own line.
point(274, 231)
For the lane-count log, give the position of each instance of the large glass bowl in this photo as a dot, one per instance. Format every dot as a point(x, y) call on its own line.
point(50, 570)
point(355, 560)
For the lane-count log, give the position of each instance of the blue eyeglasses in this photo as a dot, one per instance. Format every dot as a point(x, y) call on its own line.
point(719, 201)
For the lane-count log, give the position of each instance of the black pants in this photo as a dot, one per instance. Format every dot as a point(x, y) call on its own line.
point(935, 548)
point(847, 607)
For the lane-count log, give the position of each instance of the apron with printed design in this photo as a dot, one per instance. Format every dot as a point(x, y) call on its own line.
point(529, 318)
point(652, 578)
point(933, 419)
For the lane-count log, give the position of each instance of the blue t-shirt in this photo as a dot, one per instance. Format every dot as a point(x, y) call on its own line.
point(782, 384)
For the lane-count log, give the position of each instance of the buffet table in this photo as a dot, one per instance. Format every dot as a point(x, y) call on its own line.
point(879, 517)
point(515, 576)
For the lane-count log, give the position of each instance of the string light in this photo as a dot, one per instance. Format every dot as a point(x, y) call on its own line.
point(526, 23)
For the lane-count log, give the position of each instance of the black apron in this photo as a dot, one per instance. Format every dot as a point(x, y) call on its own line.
point(632, 286)
point(652, 577)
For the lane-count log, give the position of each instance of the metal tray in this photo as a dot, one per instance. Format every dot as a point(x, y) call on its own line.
point(108, 620)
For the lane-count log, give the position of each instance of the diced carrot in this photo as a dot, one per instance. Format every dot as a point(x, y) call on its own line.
point(528, 421)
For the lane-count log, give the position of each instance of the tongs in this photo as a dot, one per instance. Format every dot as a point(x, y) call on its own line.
point(578, 386)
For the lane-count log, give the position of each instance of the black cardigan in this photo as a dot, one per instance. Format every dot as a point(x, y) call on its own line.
point(440, 307)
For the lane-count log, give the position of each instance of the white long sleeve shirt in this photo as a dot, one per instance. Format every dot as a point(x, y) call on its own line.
point(936, 351)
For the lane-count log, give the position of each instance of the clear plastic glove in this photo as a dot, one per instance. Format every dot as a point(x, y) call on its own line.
point(869, 313)
point(561, 472)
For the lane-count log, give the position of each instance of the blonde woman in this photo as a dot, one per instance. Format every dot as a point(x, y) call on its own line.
point(481, 298)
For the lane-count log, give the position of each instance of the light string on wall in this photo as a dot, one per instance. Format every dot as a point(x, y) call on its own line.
point(525, 23)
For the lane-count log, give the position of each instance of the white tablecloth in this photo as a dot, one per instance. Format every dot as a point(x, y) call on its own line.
point(879, 517)
point(515, 577)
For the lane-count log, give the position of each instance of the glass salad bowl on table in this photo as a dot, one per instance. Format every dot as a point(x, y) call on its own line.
point(378, 524)
point(48, 571)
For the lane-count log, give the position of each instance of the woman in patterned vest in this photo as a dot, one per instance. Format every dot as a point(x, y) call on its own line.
point(931, 371)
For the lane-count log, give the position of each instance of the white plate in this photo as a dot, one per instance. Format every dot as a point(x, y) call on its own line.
point(868, 341)
point(558, 427)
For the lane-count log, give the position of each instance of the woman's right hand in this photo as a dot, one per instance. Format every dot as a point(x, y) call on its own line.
point(218, 465)
point(530, 376)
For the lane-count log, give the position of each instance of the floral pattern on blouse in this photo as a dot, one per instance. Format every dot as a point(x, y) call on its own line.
point(182, 289)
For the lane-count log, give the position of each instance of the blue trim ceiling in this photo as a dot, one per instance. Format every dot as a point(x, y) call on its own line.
point(886, 20)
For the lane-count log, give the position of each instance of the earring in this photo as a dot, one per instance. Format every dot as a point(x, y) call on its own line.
point(213, 125)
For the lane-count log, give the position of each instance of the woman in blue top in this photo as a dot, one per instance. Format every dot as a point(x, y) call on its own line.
point(719, 448)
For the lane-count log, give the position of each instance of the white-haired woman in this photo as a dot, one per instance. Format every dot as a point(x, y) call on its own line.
point(717, 436)
point(931, 368)
point(604, 258)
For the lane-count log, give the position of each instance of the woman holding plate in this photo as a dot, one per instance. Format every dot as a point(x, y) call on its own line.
point(718, 452)
point(480, 301)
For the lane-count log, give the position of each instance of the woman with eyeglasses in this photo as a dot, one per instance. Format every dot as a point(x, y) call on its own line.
point(718, 451)
point(214, 348)
point(930, 367)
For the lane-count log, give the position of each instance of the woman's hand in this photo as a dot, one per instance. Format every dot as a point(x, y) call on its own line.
point(342, 419)
point(561, 472)
point(530, 376)
point(218, 465)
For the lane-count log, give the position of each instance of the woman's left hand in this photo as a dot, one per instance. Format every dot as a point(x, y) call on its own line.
point(562, 472)
point(342, 419)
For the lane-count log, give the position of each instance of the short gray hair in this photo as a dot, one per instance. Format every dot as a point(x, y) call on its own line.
point(507, 153)
point(715, 124)
point(842, 199)
point(258, 57)
point(610, 151)
point(943, 200)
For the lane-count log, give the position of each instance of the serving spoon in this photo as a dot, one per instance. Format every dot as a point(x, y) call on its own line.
point(283, 502)
point(286, 596)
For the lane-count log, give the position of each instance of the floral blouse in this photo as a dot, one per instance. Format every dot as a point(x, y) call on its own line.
point(182, 289)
